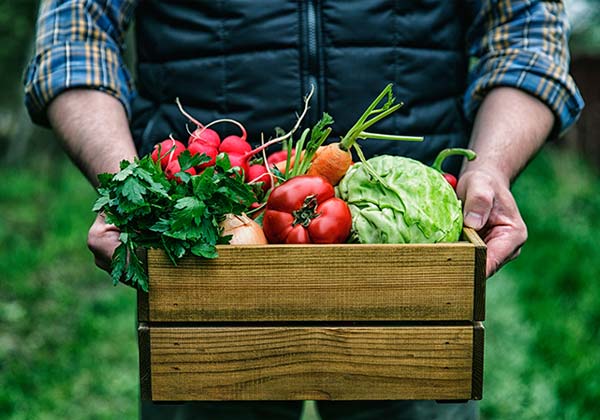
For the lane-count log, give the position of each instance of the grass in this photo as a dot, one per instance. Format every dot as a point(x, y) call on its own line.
point(67, 337)
point(543, 317)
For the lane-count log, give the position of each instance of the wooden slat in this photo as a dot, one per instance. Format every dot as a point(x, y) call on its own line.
point(304, 363)
point(142, 306)
point(480, 275)
point(144, 362)
point(478, 351)
point(316, 283)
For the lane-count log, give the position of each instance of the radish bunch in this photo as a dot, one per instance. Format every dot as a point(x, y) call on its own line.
point(205, 140)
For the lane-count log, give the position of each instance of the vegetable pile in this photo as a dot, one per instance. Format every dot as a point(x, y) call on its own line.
point(187, 198)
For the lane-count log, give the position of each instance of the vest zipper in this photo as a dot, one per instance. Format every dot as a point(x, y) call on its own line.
point(312, 59)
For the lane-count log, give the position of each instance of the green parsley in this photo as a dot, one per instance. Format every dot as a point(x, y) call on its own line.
point(178, 217)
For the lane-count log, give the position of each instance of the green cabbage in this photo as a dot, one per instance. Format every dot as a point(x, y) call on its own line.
point(416, 204)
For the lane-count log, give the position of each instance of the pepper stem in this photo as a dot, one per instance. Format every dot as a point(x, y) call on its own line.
point(439, 160)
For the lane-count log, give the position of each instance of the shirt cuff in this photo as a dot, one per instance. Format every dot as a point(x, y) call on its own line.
point(531, 72)
point(74, 65)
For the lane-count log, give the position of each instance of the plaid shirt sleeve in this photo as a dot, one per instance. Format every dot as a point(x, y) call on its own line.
point(523, 44)
point(78, 44)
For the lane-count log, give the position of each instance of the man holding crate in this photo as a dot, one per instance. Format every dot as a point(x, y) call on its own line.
point(491, 75)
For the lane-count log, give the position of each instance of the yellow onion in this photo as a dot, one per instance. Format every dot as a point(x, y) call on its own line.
point(244, 230)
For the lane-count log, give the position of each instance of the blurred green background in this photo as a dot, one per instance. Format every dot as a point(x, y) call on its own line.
point(67, 337)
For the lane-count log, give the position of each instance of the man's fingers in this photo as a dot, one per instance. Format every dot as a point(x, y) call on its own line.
point(503, 245)
point(479, 202)
point(103, 239)
point(490, 208)
point(497, 258)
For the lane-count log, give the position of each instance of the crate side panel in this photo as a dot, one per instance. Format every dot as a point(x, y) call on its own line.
point(142, 306)
point(478, 352)
point(479, 272)
point(303, 363)
point(145, 347)
point(316, 283)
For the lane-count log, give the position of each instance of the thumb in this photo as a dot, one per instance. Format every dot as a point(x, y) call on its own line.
point(479, 200)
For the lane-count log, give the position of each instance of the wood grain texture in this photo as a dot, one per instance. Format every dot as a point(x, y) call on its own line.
point(478, 352)
point(299, 363)
point(480, 275)
point(316, 283)
point(143, 307)
point(144, 362)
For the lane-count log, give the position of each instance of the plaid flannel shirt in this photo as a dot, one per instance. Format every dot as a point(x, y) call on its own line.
point(518, 43)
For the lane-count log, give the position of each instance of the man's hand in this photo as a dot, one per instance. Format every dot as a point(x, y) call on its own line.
point(509, 129)
point(490, 208)
point(103, 239)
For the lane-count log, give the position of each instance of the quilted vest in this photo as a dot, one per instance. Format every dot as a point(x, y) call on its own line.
point(254, 61)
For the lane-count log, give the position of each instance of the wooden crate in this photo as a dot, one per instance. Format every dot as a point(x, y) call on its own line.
point(339, 322)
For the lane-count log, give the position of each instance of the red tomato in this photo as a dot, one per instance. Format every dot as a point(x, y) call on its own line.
point(451, 179)
point(304, 210)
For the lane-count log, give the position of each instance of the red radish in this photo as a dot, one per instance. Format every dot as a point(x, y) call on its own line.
point(237, 149)
point(205, 135)
point(174, 168)
point(236, 157)
point(243, 137)
point(201, 147)
point(279, 156)
point(239, 160)
point(451, 179)
point(234, 144)
point(230, 144)
point(169, 150)
point(202, 133)
point(259, 173)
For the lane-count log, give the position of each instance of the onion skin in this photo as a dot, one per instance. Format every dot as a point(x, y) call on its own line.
point(244, 230)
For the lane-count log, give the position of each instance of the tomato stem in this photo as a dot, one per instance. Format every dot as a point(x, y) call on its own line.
point(304, 215)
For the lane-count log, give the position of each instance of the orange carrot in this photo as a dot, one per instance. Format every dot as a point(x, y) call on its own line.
point(331, 162)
